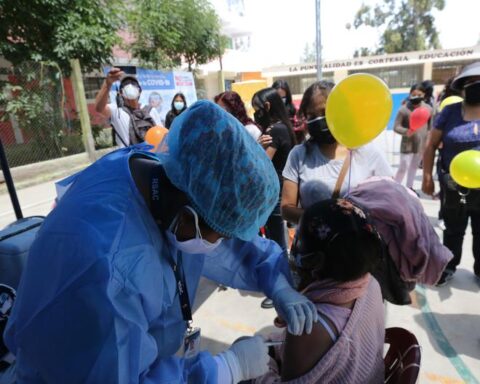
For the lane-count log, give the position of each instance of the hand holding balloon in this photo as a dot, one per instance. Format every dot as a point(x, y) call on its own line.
point(418, 119)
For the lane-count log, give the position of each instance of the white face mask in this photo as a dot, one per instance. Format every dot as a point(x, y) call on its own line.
point(195, 245)
point(131, 92)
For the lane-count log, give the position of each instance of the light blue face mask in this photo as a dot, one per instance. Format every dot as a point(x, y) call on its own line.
point(195, 245)
point(178, 105)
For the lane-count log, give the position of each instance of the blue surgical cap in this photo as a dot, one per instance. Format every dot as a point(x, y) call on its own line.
point(226, 174)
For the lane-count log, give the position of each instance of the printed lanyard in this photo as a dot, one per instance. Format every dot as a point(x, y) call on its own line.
point(177, 266)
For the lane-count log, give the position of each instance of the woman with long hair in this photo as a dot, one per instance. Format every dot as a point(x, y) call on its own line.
point(413, 144)
point(232, 103)
point(278, 139)
point(179, 104)
point(283, 90)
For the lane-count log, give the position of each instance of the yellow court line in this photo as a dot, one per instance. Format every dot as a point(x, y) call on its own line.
point(240, 327)
point(434, 378)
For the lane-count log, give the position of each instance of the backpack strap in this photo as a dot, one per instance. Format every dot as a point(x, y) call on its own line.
point(341, 175)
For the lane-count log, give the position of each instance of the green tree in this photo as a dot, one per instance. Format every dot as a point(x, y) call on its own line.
point(167, 31)
point(408, 25)
point(309, 53)
point(59, 30)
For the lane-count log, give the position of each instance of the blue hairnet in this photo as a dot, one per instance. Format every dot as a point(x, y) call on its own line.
point(230, 181)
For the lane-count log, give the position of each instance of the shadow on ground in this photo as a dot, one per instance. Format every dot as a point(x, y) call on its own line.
point(461, 330)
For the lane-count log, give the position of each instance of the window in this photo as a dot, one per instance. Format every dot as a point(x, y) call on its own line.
point(441, 72)
point(396, 77)
point(299, 83)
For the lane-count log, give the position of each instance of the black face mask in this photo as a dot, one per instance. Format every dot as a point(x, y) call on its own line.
point(262, 118)
point(472, 93)
point(415, 100)
point(318, 130)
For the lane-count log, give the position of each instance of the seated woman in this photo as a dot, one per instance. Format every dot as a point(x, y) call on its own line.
point(335, 250)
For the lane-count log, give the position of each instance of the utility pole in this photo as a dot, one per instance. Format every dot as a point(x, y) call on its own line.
point(319, 40)
point(81, 103)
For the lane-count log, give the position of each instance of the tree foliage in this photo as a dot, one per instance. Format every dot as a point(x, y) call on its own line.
point(167, 31)
point(59, 30)
point(408, 25)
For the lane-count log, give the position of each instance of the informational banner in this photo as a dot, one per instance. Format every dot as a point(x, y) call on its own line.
point(159, 89)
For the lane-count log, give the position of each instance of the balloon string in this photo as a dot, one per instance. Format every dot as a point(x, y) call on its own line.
point(349, 173)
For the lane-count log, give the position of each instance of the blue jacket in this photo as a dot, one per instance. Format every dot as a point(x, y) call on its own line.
point(98, 302)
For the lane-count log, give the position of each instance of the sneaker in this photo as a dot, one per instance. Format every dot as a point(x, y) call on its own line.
point(447, 275)
point(267, 304)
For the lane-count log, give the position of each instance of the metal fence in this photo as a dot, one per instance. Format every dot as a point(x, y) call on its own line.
point(38, 119)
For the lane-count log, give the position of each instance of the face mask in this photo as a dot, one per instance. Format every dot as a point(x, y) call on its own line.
point(195, 245)
point(178, 105)
point(318, 130)
point(284, 99)
point(131, 92)
point(261, 118)
point(415, 100)
point(472, 93)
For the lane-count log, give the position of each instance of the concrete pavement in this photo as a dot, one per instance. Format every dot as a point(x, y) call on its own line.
point(445, 320)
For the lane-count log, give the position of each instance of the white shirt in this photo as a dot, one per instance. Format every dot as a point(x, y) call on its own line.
point(121, 122)
point(317, 174)
point(253, 130)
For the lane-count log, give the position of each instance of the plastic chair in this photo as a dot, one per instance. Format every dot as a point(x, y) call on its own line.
point(402, 361)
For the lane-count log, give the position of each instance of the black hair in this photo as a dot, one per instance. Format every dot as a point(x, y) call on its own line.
point(282, 84)
point(277, 109)
point(448, 90)
point(182, 96)
point(129, 79)
point(418, 87)
point(347, 257)
point(428, 88)
point(322, 86)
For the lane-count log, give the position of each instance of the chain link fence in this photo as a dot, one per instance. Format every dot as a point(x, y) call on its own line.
point(38, 118)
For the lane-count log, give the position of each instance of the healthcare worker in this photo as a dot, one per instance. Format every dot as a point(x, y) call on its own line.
point(107, 291)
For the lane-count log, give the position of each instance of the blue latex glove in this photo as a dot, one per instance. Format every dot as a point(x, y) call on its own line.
point(299, 312)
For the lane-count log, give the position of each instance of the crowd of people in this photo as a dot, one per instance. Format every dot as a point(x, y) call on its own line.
point(140, 228)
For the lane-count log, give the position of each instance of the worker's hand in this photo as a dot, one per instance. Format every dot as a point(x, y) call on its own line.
point(247, 358)
point(113, 75)
point(299, 312)
point(428, 187)
point(265, 140)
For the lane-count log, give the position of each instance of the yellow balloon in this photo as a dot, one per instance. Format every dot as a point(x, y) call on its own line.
point(449, 100)
point(358, 109)
point(465, 169)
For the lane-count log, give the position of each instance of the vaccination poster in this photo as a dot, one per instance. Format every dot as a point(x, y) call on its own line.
point(158, 90)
